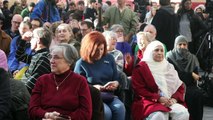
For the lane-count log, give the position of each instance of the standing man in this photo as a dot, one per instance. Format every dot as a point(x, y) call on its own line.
point(46, 10)
point(165, 22)
point(91, 12)
point(120, 14)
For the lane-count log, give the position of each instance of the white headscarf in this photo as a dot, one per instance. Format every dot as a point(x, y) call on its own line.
point(166, 77)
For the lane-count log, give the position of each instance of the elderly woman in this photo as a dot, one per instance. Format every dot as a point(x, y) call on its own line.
point(47, 99)
point(143, 39)
point(100, 70)
point(159, 93)
point(65, 35)
point(121, 45)
point(111, 40)
point(187, 66)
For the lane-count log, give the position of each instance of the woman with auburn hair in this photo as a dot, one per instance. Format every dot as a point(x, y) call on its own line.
point(99, 68)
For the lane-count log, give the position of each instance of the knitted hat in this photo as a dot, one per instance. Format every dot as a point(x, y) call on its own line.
point(3, 60)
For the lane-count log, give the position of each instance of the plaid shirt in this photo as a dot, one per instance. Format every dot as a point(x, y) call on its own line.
point(39, 64)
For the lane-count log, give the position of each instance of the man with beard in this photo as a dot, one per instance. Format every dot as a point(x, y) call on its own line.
point(46, 10)
point(186, 65)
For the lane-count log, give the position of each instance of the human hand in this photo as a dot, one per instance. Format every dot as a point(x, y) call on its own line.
point(27, 36)
point(164, 101)
point(99, 87)
point(195, 76)
point(15, 72)
point(51, 115)
point(128, 58)
point(172, 101)
point(111, 86)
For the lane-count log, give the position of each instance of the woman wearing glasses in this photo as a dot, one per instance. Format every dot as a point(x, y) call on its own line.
point(62, 93)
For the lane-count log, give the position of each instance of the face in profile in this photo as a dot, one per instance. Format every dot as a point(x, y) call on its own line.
point(158, 53)
point(142, 41)
point(111, 43)
point(99, 52)
point(23, 28)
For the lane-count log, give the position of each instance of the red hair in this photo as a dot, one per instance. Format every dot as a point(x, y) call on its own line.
point(89, 45)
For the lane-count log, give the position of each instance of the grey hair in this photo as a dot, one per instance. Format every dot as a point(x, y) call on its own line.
point(116, 27)
point(109, 34)
point(69, 52)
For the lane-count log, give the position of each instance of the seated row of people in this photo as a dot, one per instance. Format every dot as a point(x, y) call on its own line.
point(96, 52)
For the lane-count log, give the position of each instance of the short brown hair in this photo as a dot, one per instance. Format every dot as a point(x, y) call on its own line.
point(90, 43)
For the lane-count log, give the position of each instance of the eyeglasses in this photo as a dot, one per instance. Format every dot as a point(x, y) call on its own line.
point(55, 57)
point(119, 31)
point(16, 22)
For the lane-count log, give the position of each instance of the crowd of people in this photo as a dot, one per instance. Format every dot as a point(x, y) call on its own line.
point(57, 64)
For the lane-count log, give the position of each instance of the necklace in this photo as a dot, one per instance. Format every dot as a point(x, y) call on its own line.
point(58, 85)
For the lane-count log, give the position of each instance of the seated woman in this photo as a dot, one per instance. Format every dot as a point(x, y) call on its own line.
point(62, 93)
point(100, 70)
point(64, 34)
point(159, 93)
point(111, 40)
point(186, 64)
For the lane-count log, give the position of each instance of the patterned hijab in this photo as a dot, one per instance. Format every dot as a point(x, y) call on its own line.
point(3, 60)
point(182, 58)
point(166, 77)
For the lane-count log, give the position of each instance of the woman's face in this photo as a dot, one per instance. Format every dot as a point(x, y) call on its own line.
point(158, 54)
point(111, 43)
point(120, 33)
point(63, 34)
point(142, 42)
point(58, 63)
point(99, 52)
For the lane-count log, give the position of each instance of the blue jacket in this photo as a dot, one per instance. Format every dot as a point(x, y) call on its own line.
point(13, 63)
point(100, 72)
point(43, 10)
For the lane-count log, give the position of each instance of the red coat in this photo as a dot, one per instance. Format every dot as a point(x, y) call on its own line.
point(146, 93)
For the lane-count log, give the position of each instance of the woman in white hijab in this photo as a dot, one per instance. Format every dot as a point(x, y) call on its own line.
point(159, 93)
